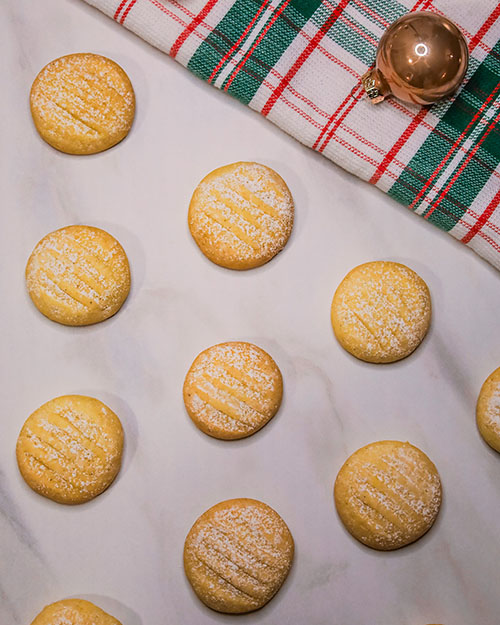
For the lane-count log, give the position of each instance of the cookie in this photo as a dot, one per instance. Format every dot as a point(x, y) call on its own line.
point(82, 103)
point(381, 311)
point(488, 410)
point(241, 215)
point(74, 612)
point(388, 494)
point(232, 390)
point(78, 275)
point(237, 555)
point(70, 449)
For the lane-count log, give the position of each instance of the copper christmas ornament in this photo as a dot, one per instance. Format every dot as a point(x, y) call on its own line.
point(421, 58)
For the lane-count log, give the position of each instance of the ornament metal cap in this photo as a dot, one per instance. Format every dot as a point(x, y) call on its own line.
point(375, 86)
point(421, 58)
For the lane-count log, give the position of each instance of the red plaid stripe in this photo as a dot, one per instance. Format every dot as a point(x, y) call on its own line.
point(192, 25)
point(466, 161)
point(485, 28)
point(389, 157)
point(303, 56)
point(357, 91)
point(454, 146)
point(241, 38)
point(119, 9)
point(256, 43)
point(482, 219)
point(125, 8)
point(383, 23)
point(127, 11)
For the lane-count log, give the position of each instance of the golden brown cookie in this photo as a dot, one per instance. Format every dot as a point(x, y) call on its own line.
point(232, 390)
point(381, 311)
point(82, 103)
point(237, 555)
point(488, 410)
point(388, 494)
point(241, 215)
point(74, 612)
point(78, 275)
point(70, 449)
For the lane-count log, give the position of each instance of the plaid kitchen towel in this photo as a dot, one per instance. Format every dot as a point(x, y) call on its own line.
point(299, 63)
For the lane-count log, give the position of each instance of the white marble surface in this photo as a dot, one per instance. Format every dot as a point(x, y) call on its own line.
point(124, 549)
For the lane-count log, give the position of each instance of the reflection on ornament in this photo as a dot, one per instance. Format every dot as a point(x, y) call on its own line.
point(421, 58)
point(421, 49)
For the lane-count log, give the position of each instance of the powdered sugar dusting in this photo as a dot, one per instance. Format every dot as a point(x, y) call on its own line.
point(233, 388)
point(242, 213)
point(382, 311)
point(492, 413)
point(488, 410)
point(74, 612)
point(71, 444)
point(78, 274)
point(238, 551)
point(82, 101)
point(389, 494)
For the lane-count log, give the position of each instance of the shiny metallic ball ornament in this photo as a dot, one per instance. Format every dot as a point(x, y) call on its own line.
point(421, 58)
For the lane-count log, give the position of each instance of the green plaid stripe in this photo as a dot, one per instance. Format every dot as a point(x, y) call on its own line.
point(351, 35)
point(461, 123)
point(276, 40)
point(388, 10)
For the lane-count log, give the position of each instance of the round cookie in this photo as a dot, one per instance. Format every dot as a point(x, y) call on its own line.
point(70, 449)
point(388, 494)
point(237, 555)
point(381, 311)
point(488, 410)
point(78, 275)
point(74, 612)
point(82, 103)
point(232, 390)
point(241, 215)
